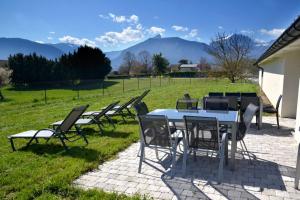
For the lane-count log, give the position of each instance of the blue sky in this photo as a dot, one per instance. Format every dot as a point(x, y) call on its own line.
point(114, 25)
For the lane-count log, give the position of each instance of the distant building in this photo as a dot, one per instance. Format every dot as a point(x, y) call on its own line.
point(188, 68)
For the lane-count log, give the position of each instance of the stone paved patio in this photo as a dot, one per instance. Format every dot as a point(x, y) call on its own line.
point(268, 177)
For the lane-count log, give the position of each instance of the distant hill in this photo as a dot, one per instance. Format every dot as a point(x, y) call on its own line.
point(65, 47)
point(10, 46)
point(174, 49)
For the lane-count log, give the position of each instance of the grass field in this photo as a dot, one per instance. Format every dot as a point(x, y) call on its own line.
point(46, 171)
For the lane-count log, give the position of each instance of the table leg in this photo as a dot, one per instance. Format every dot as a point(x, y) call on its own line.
point(233, 145)
point(297, 169)
point(260, 113)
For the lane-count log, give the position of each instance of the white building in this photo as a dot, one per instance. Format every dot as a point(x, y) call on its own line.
point(280, 72)
point(188, 68)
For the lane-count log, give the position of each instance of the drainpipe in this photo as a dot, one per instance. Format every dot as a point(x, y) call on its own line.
point(262, 76)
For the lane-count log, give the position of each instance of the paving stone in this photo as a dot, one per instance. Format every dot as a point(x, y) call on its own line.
point(271, 176)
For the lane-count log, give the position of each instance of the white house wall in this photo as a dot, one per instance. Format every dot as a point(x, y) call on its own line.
point(273, 78)
point(291, 84)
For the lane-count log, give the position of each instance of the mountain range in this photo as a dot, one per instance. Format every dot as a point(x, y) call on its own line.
point(173, 48)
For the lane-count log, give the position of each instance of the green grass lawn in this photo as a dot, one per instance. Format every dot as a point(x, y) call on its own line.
point(46, 171)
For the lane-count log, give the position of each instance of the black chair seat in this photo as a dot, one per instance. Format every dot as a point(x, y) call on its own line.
point(269, 109)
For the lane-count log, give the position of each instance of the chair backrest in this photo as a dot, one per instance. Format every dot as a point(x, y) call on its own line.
point(140, 98)
point(232, 103)
point(216, 103)
point(71, 118)
point(187, 96)
point(248, 94)
point(202, 132)
point(124, 106)
point(233, 94)
point(215, 94)
point(155, 130)
point(247, 118)
point(278, 102)
point(106, 109)
point(245, 101)
point(141, 108)
point(187, 104)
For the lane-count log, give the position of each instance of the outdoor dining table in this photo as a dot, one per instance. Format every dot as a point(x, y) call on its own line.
point(229, 118)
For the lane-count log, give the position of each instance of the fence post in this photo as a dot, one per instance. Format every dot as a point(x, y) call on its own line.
point(123, 80)
point(138, 83)
point(160, 81)
point(150, 82)
point(77, 92)
point(45, 95)
point(103, 87)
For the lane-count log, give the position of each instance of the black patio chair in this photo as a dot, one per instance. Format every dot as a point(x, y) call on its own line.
point(187, 96)
point(122, 110)
point(232, 103)
point(271, 109)
point(248, 94)
point(61, 131)
point(233, 94)
point(202, 133)
point(215, 103)
point(155, 133)
point(187, 104)
point(141, 108)
point(245, 101)
point(244, 126)
point(215, 94)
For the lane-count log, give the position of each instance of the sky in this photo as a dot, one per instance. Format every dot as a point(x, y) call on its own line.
point(117, 24)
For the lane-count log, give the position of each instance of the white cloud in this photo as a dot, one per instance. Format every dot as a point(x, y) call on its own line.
point(52, 32)
point(179, 28)
point(40, 41)
point(50, 38)
point(77, 41)
point(247, 32)
point(220, 27)
point(103, 16)
point(260, 42)
point(133, 19)
point(125, 36)
point(276, 32)
point(139, 26)
point(193, 33)
point(156, 30)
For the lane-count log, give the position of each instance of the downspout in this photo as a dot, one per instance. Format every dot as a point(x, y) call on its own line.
point(262, 76)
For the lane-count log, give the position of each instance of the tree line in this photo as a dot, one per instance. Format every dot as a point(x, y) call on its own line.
point(83, 64)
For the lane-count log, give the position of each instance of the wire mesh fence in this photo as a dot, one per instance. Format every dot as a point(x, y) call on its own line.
point(48, 91)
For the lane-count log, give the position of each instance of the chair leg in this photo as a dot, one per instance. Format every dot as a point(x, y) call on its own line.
point(277, 118)
point(141, 157)
point(81, 134)
point(12, 144)
point(297, 178)
point(156, 153)
point(174, 151)
point(63, 142)
point(247, 152)
point(184, 157)
point(36, 140)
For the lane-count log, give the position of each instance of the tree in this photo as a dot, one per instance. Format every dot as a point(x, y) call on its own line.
point(87, 63)
point(160, 64)
point(4, 78)
point(145, 60)
point(183, 61)
point(204, 65)
point(129, 61)
point(231, 53)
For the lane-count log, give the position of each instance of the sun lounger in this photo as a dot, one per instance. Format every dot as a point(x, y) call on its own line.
point(60, 131)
